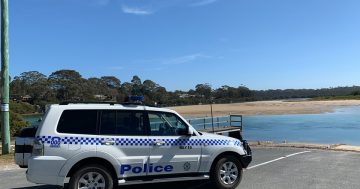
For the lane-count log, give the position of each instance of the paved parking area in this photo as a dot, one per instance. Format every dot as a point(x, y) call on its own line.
point(272, 168)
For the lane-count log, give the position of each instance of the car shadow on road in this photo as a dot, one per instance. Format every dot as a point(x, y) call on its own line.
point(172, 185)
point(38, 187)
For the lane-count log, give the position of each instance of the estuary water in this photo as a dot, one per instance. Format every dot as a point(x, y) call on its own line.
point(34, 120)
point(339, 127)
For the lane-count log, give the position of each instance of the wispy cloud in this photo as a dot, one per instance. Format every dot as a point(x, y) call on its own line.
point(135, 10)
point(185, 59)
point(202, 3)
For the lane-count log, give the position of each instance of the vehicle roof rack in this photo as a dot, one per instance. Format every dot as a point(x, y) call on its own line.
point(129, 100)
point(131, 103)
point(88, 102)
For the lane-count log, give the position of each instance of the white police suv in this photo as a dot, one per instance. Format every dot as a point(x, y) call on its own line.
point(106, 145)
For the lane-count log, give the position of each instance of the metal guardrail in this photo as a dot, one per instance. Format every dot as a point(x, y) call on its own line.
point(221, 122)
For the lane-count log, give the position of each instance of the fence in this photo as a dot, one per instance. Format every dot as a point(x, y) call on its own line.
point(216, 123)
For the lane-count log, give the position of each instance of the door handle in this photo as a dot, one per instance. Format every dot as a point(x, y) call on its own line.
point(108, 142)
point(159, 143)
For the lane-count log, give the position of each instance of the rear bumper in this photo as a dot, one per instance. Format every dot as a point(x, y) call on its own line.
point(247, 158)
point(44, 179)
point(23, 148)
point(45, 169)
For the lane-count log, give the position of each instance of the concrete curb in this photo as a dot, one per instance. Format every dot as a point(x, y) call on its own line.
point(331, 147)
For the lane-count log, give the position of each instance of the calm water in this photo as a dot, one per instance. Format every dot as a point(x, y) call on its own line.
point(341, 126)
point(33, 119)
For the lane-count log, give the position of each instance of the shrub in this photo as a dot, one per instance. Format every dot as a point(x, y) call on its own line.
point(22, 107)
point(16, 123)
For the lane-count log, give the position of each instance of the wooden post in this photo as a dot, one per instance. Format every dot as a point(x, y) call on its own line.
point(212, 118)
point(241, 123)
point(204, 123)
point(230, 120)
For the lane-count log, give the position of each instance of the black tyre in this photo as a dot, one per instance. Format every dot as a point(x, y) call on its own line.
point(227, 173)
point(92, 177)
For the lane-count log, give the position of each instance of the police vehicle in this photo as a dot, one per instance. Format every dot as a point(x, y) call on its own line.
point(106, 145)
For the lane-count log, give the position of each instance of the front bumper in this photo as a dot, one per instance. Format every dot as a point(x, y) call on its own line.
point(247, 158)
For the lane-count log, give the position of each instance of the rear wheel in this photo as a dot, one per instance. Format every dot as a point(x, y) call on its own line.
point(91, 177)
point(227, 173)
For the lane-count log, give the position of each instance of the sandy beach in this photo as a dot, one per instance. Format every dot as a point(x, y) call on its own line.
point(266, 108)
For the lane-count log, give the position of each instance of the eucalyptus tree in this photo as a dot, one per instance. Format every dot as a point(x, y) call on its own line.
point(68, 84)
point(32, 83)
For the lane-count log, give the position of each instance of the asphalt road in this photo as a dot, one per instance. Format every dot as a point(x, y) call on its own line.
point(271, 169)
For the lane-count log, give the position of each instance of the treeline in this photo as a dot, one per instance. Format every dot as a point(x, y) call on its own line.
point(31, 91)
point(306, 93)
point(68, 85)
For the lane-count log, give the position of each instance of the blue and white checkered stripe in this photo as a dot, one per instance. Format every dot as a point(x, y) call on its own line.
point(237, 143)
point(140, 141)
point(132, 141)
point(72, 140)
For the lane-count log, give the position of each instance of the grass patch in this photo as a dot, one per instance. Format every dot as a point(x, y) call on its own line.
point(7, 159)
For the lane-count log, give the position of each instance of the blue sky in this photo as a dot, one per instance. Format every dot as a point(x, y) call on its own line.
point(261, 44)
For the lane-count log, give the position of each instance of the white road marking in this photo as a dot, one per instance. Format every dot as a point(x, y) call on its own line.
point(277, 159)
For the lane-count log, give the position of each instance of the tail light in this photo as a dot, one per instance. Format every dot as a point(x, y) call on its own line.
point(38, 148)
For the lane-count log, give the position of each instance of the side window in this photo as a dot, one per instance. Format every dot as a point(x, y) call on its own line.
point(166, 124)
point(128, 123)
point(78, 122)
point(108, 122)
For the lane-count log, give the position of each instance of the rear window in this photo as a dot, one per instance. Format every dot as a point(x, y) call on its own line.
point(78, 122)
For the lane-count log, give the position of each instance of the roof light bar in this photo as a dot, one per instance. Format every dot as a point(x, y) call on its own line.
point(135, 99)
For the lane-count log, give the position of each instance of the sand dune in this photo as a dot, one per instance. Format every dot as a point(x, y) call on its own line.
point(266, 108)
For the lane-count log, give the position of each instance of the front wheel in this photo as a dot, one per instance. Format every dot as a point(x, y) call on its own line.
point(91, 177)
point(227, 173)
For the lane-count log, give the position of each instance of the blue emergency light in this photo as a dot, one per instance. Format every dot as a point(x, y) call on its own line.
point(135, 99)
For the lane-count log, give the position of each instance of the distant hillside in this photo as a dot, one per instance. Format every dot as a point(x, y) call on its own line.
point(305, 93)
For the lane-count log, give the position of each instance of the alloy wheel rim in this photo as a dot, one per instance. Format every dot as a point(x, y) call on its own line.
point(228, 173)
point(91, 180)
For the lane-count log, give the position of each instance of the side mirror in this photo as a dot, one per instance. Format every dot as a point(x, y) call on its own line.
point(190, 131)
point(186, 132)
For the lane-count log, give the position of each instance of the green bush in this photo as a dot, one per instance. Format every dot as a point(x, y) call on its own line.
point(22, 107)
point(16, 123)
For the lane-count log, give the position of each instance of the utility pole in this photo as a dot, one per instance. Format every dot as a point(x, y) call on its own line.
point(5, 78)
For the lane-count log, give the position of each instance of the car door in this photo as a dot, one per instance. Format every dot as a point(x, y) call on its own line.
point(123, 136)
point(172, 151)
